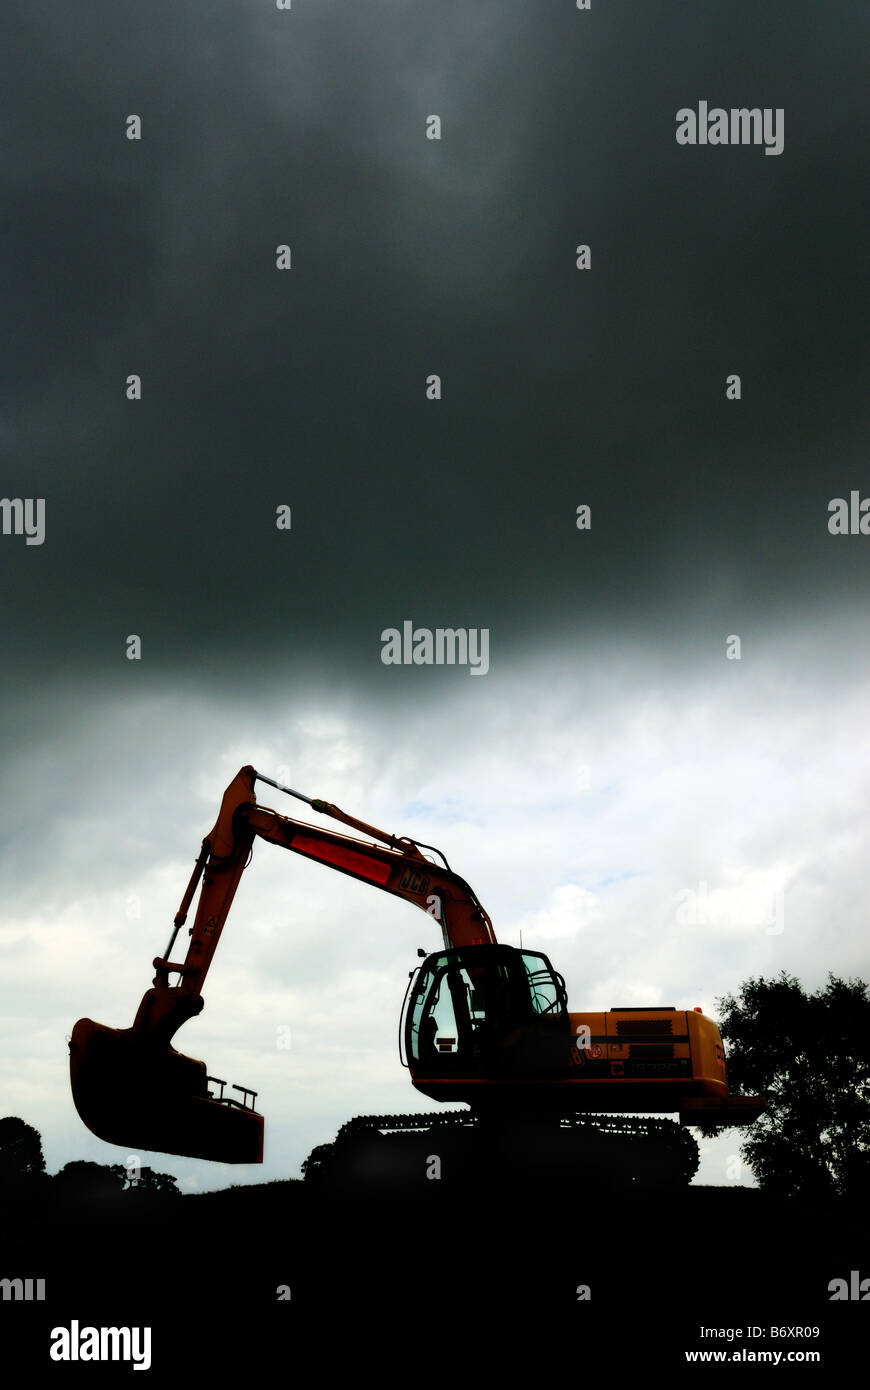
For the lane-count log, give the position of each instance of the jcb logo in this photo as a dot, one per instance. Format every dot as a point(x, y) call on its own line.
point(414, 881)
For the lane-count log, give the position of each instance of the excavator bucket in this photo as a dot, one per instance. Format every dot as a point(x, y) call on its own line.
point(139, 1095)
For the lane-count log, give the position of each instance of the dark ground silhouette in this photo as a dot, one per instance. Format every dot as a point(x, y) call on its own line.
point(277, 1273)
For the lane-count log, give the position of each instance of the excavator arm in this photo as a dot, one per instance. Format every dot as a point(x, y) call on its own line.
point(131, 1081)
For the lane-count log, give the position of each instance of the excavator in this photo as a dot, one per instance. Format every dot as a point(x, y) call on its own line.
point(483, 1025)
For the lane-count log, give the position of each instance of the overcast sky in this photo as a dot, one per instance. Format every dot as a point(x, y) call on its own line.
point(612, 760)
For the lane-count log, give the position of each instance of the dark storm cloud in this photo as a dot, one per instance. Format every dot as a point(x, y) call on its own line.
point(413, 256)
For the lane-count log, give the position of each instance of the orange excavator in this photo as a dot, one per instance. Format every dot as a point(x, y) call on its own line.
point(483, 1024)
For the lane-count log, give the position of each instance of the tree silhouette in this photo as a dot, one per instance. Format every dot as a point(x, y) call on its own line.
point(810, 1055)
point(154, 1184)
point(21, 1159)
point(82, 1180)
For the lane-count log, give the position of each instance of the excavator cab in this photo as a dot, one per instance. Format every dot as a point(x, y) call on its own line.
point(485, 1013)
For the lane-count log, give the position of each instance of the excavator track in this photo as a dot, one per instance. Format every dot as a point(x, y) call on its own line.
point(457, 1148)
